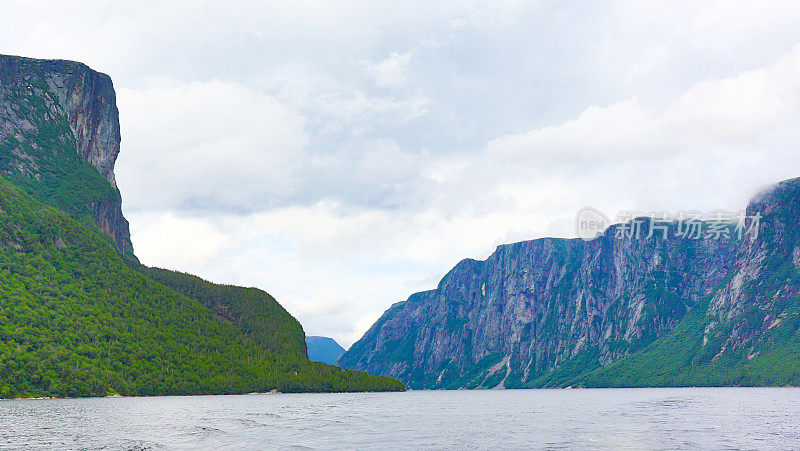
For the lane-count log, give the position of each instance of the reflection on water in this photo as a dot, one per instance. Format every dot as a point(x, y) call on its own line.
point(710, 418)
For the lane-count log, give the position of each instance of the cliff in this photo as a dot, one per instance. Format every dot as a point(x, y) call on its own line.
point(531, 306)
point(54, 116)
point(765, 276)
point(748, 332)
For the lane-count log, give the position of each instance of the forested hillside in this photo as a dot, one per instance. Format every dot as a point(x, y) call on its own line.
point(253, 311)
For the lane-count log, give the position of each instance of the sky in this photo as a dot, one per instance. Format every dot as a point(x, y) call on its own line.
point(342, 155)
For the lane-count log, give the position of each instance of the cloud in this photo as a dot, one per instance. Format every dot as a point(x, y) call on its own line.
point(608, 133)
point(392, 71)
point(177, 242)
point(732, 114)
point(201, 145)
point(208, 146)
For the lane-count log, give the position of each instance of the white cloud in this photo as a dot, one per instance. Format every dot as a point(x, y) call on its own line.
point(392, 71)
point(598, 134)
point(200, 145)
point(177, 242)
point(734, 113)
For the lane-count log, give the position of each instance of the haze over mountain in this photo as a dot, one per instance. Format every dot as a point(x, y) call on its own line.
point(323, 349)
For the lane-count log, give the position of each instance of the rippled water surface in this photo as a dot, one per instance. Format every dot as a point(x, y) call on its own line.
point(710, 418)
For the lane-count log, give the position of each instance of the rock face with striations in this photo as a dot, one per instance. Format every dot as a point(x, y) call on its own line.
point(50, 112)
point(511, 319)
point(763, 290)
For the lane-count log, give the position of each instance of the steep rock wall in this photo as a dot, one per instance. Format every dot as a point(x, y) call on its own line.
point(50, 111)
point(533, 305)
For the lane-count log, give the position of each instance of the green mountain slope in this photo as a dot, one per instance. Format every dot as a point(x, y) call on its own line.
point(681, 359)
point(253, 311)
point(76, 320)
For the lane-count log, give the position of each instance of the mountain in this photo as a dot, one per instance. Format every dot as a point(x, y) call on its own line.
point(748, 332)
point(79, 315)
point(253, 311)
point(51, 111)
point(323, 349)
point(619, 310)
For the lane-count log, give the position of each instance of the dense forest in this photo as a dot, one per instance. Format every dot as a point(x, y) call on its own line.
point(253, 311)
point(77, 320)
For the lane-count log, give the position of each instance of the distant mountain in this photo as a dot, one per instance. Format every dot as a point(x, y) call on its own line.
point(619, 310)
point(79, 315)
point(323, 349)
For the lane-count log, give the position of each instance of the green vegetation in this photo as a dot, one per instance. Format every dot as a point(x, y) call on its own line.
point(251, 310)
point(76, 320)
point(681, 359)
point(43, 161)
point(570, 371)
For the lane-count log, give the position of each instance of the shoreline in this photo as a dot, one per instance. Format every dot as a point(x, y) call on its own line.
point(275, 392)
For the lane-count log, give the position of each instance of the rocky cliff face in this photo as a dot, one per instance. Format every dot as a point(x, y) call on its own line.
point(747, 333)
point(531, 306)
point(763, 290)
point(50, 112)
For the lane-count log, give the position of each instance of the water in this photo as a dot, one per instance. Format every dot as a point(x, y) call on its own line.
point(711, 418)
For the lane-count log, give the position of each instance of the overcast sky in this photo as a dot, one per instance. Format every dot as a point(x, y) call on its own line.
point(343, 155)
